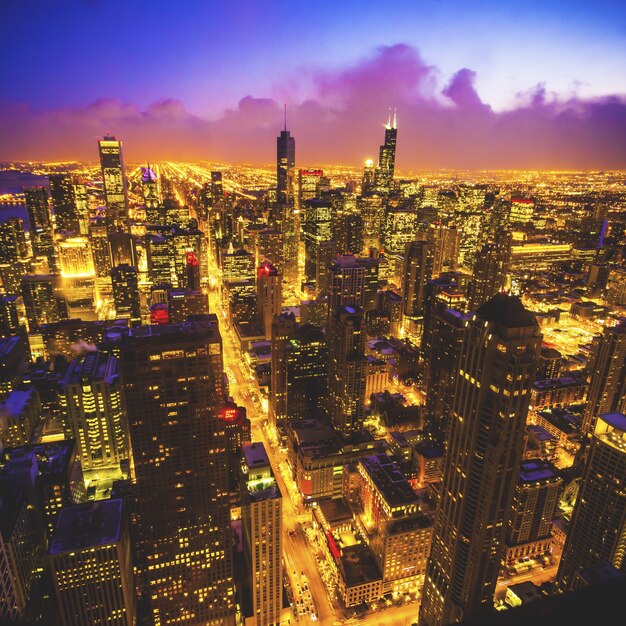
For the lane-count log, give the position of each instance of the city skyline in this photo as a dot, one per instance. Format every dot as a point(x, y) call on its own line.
point(547, 80)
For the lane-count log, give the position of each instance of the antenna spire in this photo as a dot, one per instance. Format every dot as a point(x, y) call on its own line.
point(285, 116)
point(389, 119)
point(395, 125)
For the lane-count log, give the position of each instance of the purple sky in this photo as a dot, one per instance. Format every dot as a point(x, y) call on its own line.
point(491, 85)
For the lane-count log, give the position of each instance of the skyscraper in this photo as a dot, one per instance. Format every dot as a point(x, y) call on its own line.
point(150, 187)
point(126, 293)
point(285, 165)
point(495, 372)
point(40, 220)
point(115, 184)
point(607, 376)
point(418, 270)
point(346, 369)
point(283, 327)
point(597, 532)
point(269, 295)
point(90, 555)
point(63, 202)
point(94, 413)
point(261, 503)
point(43, 299)
point(490, 270)
point(174, 381)
point(387, 157)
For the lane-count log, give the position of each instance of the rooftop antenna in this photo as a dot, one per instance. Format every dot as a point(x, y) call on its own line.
point(285, 116)
point(394, 118)
point(389, 119)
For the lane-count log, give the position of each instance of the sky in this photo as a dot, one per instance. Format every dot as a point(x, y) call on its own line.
point(482, 84)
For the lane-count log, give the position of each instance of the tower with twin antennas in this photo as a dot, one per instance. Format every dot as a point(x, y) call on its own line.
point(383, 178)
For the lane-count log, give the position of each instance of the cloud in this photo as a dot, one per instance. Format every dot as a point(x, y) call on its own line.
point(340, 122)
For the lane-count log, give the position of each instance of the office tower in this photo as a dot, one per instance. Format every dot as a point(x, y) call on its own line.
point(261, 511)
point(269, 289)
point(217, 187)
point(372, 210)
point(399, 229)
point(308, 185)
point(150, 188)
point(13, 361)
point(417, 271)
point(77, 271)
point(126, 293)
point(174, 380)
point(346, 368)
point(383, 178)
point(285, 165)
point(597, 531)
point(490, 270)
point(237, 265)
point(269, 246)
point(90, 557)
point(79, 190)
point(93, 411)
point(398, 534)
point(9, 315)
point(192, 271)
point(352, 280)
point(348, 232)
point(495, 372)
point(115, 185)
point(521, 211)
point(316, 228)
point(100, 248)
point(20, 552)
point(550, 363)
point(367, 186)
point(63, 203)
point(183, 303)
point(122, 247)
point(43, 300)
point(299, 370)
point(469, 217)
point(446, 240)
point(283, 327)
point(534, 504)
point(606, 376)
point(236, 426)
point(40, 224)
point(12, 241)
point(50, 473)
point(444, 350)
point(20, 415)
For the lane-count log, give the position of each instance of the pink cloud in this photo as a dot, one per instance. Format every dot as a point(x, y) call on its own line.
point(341, 123)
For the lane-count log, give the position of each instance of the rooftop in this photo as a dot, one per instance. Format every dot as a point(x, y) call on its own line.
point(536, 470)
point(507, 311)
point(358, 565)
point(389, 480)
point(87, 525)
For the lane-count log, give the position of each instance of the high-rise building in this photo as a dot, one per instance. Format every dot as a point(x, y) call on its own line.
point(285, 165)
point(100, 248)
point(308, 185)
point(20, 552)
point(9, 315)
point(40, 224)
point(90, 556)
point(446, 240)
point(372, 209)
point(316, 228)
point(93, 411)
point(126, 293)
point(43, 299)
point(283, 327)
point(490, 270)
point(418, 270)
point(150, 187)
point(182, 303)
point(12, 240)
point(399, 229)
point(352, 280)
point(192, 271)
point(444, 350)
point(174, 381)
point(534, 505)
point(269, 288)
point(383, 178)
point(495, 372)
point(115, 184)
point(262, 525)
point(597, 531)
point(346, 368)
point(64, 203)
point(606, 377)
